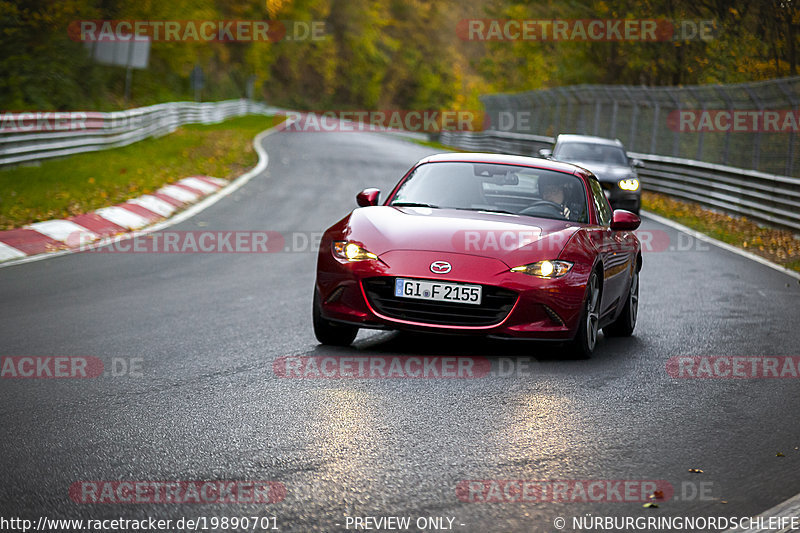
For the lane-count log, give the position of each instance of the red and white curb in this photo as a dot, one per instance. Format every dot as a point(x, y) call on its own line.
point(80, 230)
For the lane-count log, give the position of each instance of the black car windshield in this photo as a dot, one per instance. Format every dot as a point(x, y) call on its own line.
point(495, 188)
point(591, 153)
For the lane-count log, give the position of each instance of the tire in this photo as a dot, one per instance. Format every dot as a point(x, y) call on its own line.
point(585, 339)
point(328, 332)
point(624, 325)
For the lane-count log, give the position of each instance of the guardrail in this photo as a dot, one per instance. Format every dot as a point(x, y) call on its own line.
point(765, 198)
point(30, 137)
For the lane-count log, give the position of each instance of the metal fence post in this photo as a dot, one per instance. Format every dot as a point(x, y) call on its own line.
point(726, 148)
point(567, 97)
point(675, 137)
point(614, 111)
point(634, 118)
point(598, 106)
point(654, 134)
point(793, 100)
point(556, 113)
point(757, 141)
point(581, 118)
point(536, 99)
point(700, 134)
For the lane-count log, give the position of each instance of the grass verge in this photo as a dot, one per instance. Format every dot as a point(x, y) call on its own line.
point(779, 246)
point(81, 183)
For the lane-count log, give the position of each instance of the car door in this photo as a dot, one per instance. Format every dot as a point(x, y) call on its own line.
point(613, 250)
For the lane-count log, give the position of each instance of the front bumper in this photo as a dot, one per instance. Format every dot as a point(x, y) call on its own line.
point(515, 305)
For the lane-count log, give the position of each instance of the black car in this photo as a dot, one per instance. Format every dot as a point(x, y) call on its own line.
point(606, 159)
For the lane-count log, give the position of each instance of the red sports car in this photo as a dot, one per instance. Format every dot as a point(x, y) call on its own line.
point(496, 245)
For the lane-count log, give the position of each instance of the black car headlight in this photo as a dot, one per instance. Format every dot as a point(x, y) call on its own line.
point(545, 269)
point(629, 184)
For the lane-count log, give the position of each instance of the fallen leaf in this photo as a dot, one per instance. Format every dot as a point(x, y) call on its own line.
point(695, 471)
point(657, 495)
point(779, 454)
point(650, 504)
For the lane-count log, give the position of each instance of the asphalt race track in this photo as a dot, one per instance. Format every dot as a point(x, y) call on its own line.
point(205, 329)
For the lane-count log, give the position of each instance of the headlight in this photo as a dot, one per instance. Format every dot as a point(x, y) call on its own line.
point(545, 269)
point(350, 251)
point(630, 184)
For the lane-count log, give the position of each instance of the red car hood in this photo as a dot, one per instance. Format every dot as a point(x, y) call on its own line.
point(512, 239)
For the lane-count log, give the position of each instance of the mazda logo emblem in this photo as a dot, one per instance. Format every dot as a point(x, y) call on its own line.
point(440, 267)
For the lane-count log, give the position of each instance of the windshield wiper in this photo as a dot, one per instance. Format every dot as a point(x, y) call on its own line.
point(502, 211)
point(412, 204)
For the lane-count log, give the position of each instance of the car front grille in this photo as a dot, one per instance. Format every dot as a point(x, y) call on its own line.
point(495, 305)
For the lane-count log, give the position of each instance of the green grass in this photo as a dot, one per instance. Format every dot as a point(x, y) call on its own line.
point(81, 183)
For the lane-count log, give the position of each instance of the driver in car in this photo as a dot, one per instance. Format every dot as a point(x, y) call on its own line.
point(553, 190)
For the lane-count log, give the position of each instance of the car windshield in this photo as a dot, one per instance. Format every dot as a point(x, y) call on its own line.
point(591, 152)
point(510, 189)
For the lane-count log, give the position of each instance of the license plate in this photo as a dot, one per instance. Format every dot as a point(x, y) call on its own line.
point(438, 291)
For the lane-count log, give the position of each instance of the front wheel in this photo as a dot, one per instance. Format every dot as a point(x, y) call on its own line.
point(585, 339)
point(623, 326)
point(328, 332)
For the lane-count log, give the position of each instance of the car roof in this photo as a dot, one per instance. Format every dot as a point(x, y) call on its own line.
point(504, 159)
point(573, 138)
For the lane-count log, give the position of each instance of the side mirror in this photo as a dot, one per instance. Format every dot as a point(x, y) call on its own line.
point(638, 163)
point(368, 197)
point(623, 220)
point(545, 153)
